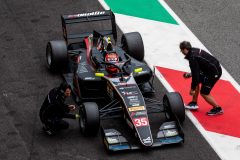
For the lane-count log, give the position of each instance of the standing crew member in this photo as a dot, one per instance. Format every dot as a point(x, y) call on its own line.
point(205, 69)
point(53, 109)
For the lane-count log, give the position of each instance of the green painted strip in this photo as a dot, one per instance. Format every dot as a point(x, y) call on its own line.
point(148, 9)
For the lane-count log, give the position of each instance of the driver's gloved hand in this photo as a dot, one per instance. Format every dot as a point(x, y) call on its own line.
point(187, 75)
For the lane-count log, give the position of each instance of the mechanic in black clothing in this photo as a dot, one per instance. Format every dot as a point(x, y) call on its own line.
point(53, 109)
point(205, 70)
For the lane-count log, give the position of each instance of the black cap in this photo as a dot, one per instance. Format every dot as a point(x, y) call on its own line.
point(185, 45)
point(64, 85)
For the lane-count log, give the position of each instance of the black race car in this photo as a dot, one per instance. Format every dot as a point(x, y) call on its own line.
point(110, 81)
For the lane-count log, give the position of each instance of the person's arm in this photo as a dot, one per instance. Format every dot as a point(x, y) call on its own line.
point(194, 66)
point(69, 115)
point(67, 109)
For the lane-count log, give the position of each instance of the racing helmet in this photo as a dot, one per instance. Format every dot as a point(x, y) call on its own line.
point(112, 57)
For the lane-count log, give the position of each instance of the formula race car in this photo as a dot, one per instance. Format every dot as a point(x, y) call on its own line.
point(110, 81)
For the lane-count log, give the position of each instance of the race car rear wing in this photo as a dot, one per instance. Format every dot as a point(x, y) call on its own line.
point(88, 17)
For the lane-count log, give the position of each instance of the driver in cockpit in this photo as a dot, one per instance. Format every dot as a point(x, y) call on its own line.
point(112, 57)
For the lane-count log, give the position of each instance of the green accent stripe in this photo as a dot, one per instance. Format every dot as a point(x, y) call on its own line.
point(148, 9)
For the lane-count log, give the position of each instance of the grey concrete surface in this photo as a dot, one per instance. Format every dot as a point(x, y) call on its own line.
point(26, 27)
point(216, 23)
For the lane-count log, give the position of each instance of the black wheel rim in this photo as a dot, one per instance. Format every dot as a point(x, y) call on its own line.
point(82, 121)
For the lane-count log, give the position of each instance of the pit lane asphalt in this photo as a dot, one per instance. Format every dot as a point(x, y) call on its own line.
point(216, 24)
point(26, 27)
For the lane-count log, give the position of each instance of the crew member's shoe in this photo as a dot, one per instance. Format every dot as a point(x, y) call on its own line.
point(192, 106)
point(215, 111)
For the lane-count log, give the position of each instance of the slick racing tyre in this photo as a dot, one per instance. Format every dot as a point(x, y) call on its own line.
point(132, 44)
point(174, 106)
point(56, 55)
point(89, 121)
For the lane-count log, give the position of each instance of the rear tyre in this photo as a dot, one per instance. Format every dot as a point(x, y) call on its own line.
point(132, 44)
point(89, 121)
point(56, 55)
point(174, 106)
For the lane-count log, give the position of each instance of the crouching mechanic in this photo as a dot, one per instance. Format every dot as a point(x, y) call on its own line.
point(205, 70)
point(53, 110)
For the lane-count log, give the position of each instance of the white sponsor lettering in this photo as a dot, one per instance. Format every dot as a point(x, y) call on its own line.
point(129, 93)
point(134, 104)
point(87, 14)
point(132, 97)
point(170, 133)
point(111, 133)
point(133, 101)
point(139, 113)
point(169, 126)
point(147, 140)
point(89, 78)
point(127, 87)
point(112, 140)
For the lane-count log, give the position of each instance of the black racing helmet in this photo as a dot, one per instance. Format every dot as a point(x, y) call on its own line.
point(63, 86)
point(185, 45)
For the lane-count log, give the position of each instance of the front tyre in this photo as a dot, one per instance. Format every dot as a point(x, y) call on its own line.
point(89, 121)
point(174, 106)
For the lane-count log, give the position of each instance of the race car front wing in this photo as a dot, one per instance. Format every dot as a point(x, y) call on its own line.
point(169, 133)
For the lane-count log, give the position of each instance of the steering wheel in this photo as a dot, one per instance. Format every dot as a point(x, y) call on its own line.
point(126, 67)
point(111, 64)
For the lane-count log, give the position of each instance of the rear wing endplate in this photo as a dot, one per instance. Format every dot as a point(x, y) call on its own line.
point(88, 17)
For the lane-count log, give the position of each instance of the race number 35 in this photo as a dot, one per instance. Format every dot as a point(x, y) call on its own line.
point(139, 122)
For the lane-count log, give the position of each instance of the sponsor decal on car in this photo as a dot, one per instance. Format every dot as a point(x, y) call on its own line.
point(112, 140)
point(132, 97)
point(89, 78)
point(140, 122)
point(128, 93)
point(111, 134)
point(134, 104)
point(133, 100)
point(169, 126)
point(136, 108)
point(128, 87)
point(139, 113)
point(120, 83)
point(170, 133)
point(147, 140)
point(86, 14)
